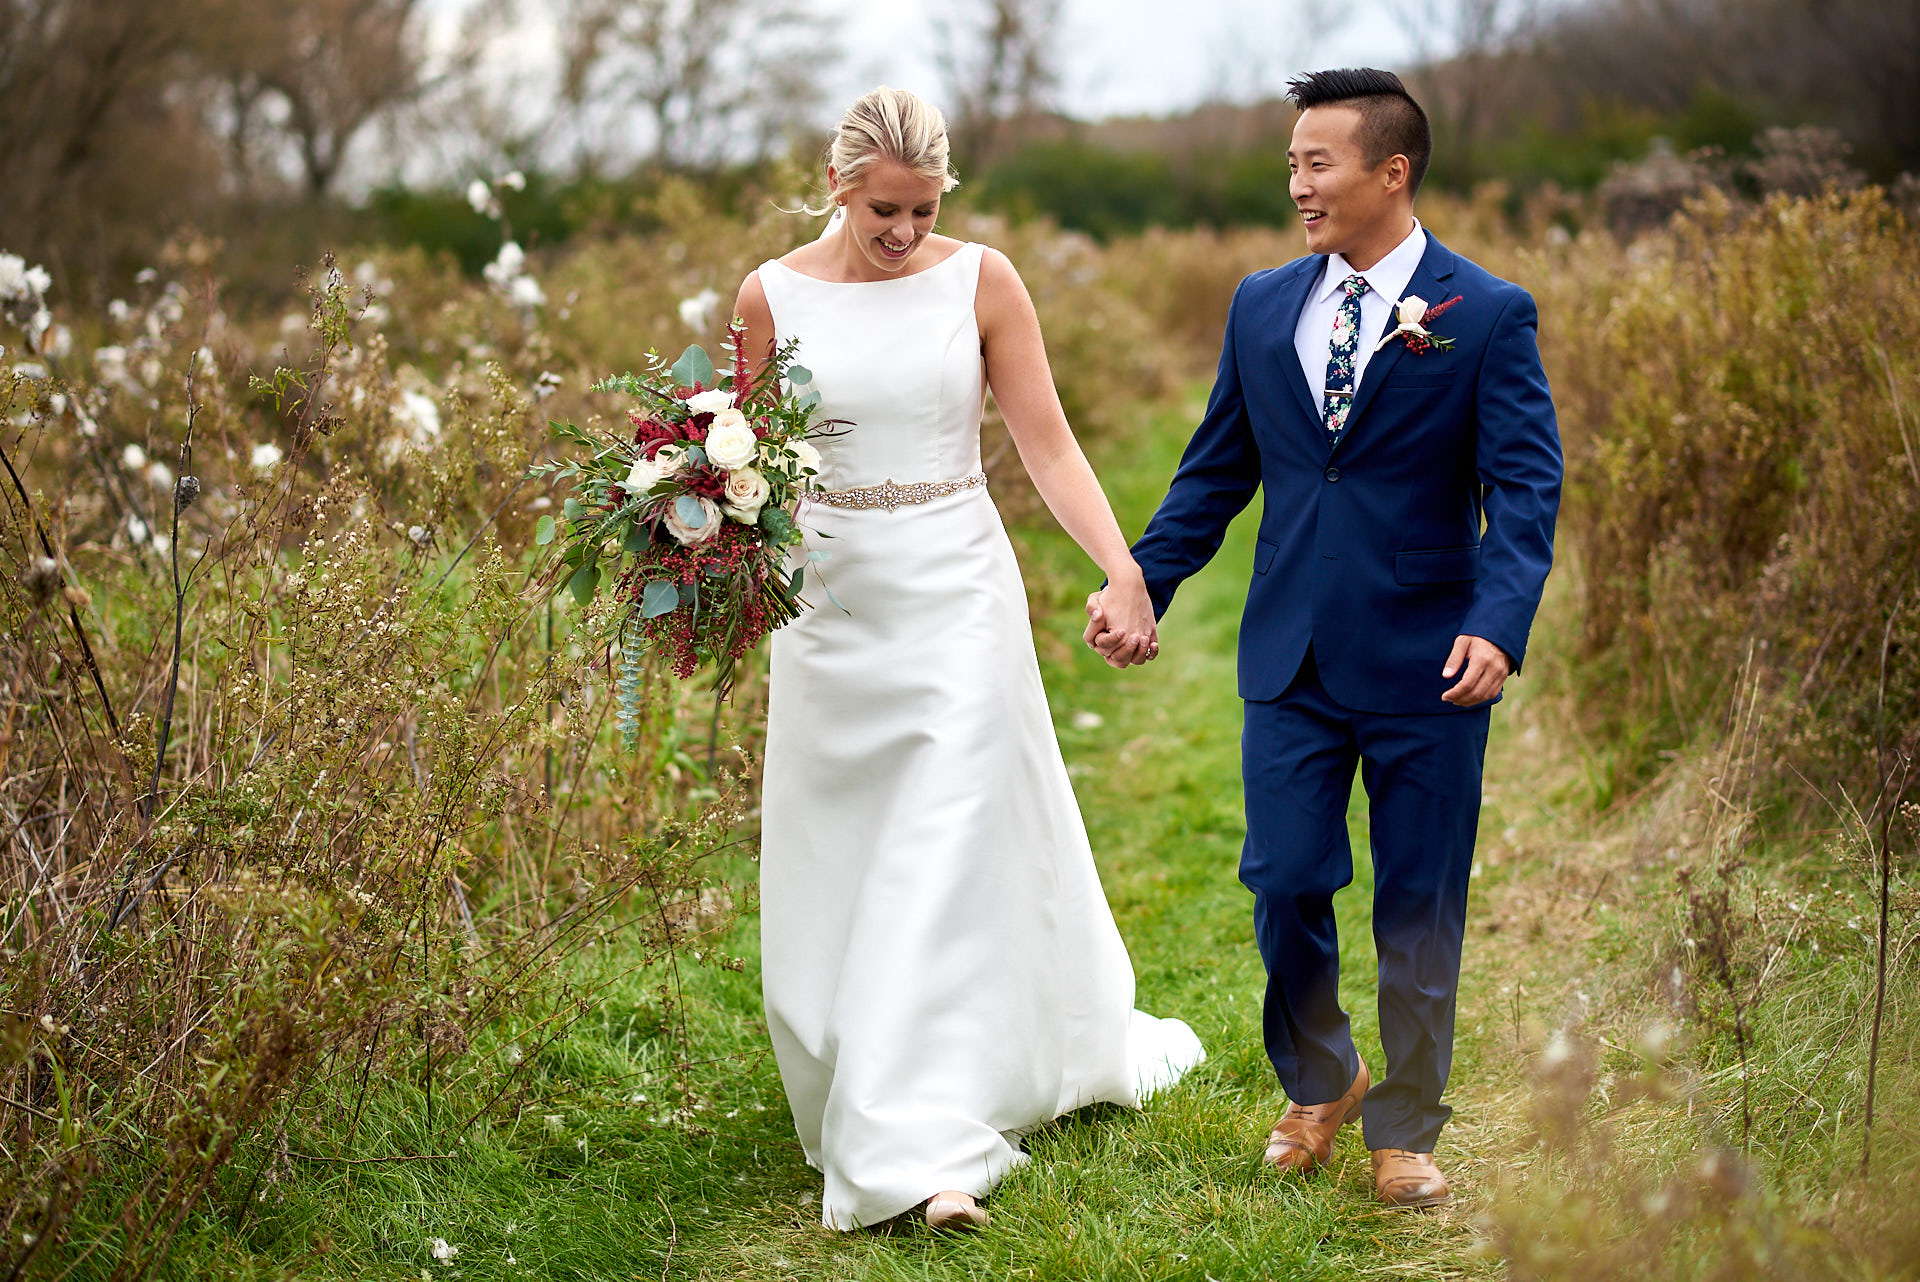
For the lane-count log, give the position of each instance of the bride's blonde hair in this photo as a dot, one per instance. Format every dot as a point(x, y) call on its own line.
point(890, 124)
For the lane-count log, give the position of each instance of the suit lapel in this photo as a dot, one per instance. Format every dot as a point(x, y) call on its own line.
point(1293, 301)
point(1428, 282)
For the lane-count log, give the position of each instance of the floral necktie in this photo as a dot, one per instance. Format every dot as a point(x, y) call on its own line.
point(1346, 344)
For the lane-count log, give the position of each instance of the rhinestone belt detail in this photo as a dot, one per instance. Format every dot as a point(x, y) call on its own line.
point(891, 496)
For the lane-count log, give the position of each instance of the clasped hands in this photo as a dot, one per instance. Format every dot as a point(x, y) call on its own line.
point(1122, 630)
point(1120, 624)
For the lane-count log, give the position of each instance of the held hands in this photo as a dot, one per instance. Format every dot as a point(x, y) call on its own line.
point(1120, 624)
point(1487, 668)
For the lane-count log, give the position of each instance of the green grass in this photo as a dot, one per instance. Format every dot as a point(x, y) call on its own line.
point(594, 1180)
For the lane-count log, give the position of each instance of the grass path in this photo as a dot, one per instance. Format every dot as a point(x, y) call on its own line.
point(594, 1185)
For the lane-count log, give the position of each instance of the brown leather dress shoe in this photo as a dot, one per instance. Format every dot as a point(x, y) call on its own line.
point(1408, 1179)
point(1304, 1137)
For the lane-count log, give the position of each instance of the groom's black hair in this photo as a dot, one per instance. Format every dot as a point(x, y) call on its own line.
point(1391, 122)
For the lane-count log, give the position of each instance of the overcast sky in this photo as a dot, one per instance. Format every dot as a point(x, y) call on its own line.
point(1125, 57)
point(1118, 57)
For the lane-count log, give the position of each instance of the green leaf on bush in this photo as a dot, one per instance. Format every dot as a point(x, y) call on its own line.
point(543, 531)
point(585, 580)
point(694, 366)
point(657, 598)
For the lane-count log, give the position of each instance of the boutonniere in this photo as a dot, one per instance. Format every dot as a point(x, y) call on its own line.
point(1413, 315)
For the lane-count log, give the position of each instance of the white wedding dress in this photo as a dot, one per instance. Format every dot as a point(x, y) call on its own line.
point(940, 966)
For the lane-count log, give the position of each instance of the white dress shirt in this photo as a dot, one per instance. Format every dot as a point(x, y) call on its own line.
point(1386, 286)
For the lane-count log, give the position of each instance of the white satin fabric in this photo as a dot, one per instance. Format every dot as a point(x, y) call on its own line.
point(940, 966)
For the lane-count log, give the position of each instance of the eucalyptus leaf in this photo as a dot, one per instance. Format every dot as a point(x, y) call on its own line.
point(657, 598)
point(798, 581)
point(810, 400)
point(798, 374)
point(585, 581)
point(694, 366)
point(688, 509)
point(696, 455)
point(819, 556)
point(637, 539)
point(571, 509)
point(543, 531)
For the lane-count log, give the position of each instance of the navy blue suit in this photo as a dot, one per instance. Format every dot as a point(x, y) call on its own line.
point(1430, 517)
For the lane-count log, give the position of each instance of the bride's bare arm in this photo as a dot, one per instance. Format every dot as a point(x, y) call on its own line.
point(751, 307)
point(1022, 384)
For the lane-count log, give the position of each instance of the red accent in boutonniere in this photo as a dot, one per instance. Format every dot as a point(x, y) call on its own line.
point(1413, 315)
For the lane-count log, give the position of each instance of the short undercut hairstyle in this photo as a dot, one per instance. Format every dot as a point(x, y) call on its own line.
point(1391, 122)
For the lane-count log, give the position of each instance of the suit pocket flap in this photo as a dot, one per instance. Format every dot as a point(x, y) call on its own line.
point(1441, 565)
point(1263, 555)
point(1421, 376)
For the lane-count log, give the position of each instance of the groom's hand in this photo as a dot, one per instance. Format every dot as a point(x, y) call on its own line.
point(1487, 668)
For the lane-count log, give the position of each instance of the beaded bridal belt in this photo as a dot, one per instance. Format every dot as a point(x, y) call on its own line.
point(891, 496)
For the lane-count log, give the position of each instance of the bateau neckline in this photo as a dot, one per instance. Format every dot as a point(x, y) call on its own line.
point(965, 245)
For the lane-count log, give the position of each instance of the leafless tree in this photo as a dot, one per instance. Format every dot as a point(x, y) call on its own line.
point(715, 79)
point(1000, 61)
point(94, 133)
point(311, 75)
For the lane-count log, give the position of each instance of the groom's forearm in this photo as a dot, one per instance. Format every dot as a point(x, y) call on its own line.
point(1217, 476)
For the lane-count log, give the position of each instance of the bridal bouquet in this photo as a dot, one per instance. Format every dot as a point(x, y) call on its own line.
point(688, 521)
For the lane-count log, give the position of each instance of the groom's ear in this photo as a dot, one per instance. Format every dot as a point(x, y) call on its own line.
point(1398, 172)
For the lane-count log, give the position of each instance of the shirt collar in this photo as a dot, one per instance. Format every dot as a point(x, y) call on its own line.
point(1395, 269)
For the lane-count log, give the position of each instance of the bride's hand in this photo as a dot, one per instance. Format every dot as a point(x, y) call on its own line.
point(1120, 624)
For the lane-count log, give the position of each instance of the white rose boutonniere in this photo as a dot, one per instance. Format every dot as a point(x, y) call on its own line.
point(1413, 313)
point(747, 492)
point(730, 441)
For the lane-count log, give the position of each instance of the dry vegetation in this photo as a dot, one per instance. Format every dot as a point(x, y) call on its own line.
point(306, 788)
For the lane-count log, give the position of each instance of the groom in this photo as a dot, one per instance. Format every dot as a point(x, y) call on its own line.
point(1411, 470)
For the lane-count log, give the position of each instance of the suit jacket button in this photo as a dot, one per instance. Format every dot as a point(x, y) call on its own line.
point(1333, 474)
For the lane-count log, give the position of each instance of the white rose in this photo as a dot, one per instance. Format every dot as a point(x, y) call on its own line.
point(807, 457)
point(1413, 309)
point(687, 532)
point(645, 475)
point(711, 402)
point(747, 493)
point(730, 442)
point(668, 458)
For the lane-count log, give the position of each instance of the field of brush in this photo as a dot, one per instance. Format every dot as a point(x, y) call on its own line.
point(342, 936)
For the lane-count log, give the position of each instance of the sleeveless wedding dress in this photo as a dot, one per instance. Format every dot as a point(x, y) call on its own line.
point(940, 967)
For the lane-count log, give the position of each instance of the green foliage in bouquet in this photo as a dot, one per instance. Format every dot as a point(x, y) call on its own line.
point(690, 520)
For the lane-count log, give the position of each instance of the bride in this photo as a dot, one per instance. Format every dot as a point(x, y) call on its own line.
point(941, 970)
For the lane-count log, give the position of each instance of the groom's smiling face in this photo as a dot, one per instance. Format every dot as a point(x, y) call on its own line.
point(1346, 204)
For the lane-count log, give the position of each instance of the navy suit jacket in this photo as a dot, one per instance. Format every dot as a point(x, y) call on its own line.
point(1431, 516)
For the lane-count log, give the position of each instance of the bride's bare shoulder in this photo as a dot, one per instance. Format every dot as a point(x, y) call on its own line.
point(751, 305)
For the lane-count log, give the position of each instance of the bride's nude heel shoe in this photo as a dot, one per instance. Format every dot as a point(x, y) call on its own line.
point(955, 1211)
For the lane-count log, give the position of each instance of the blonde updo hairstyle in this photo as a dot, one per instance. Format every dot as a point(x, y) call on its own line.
point(890, 124)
